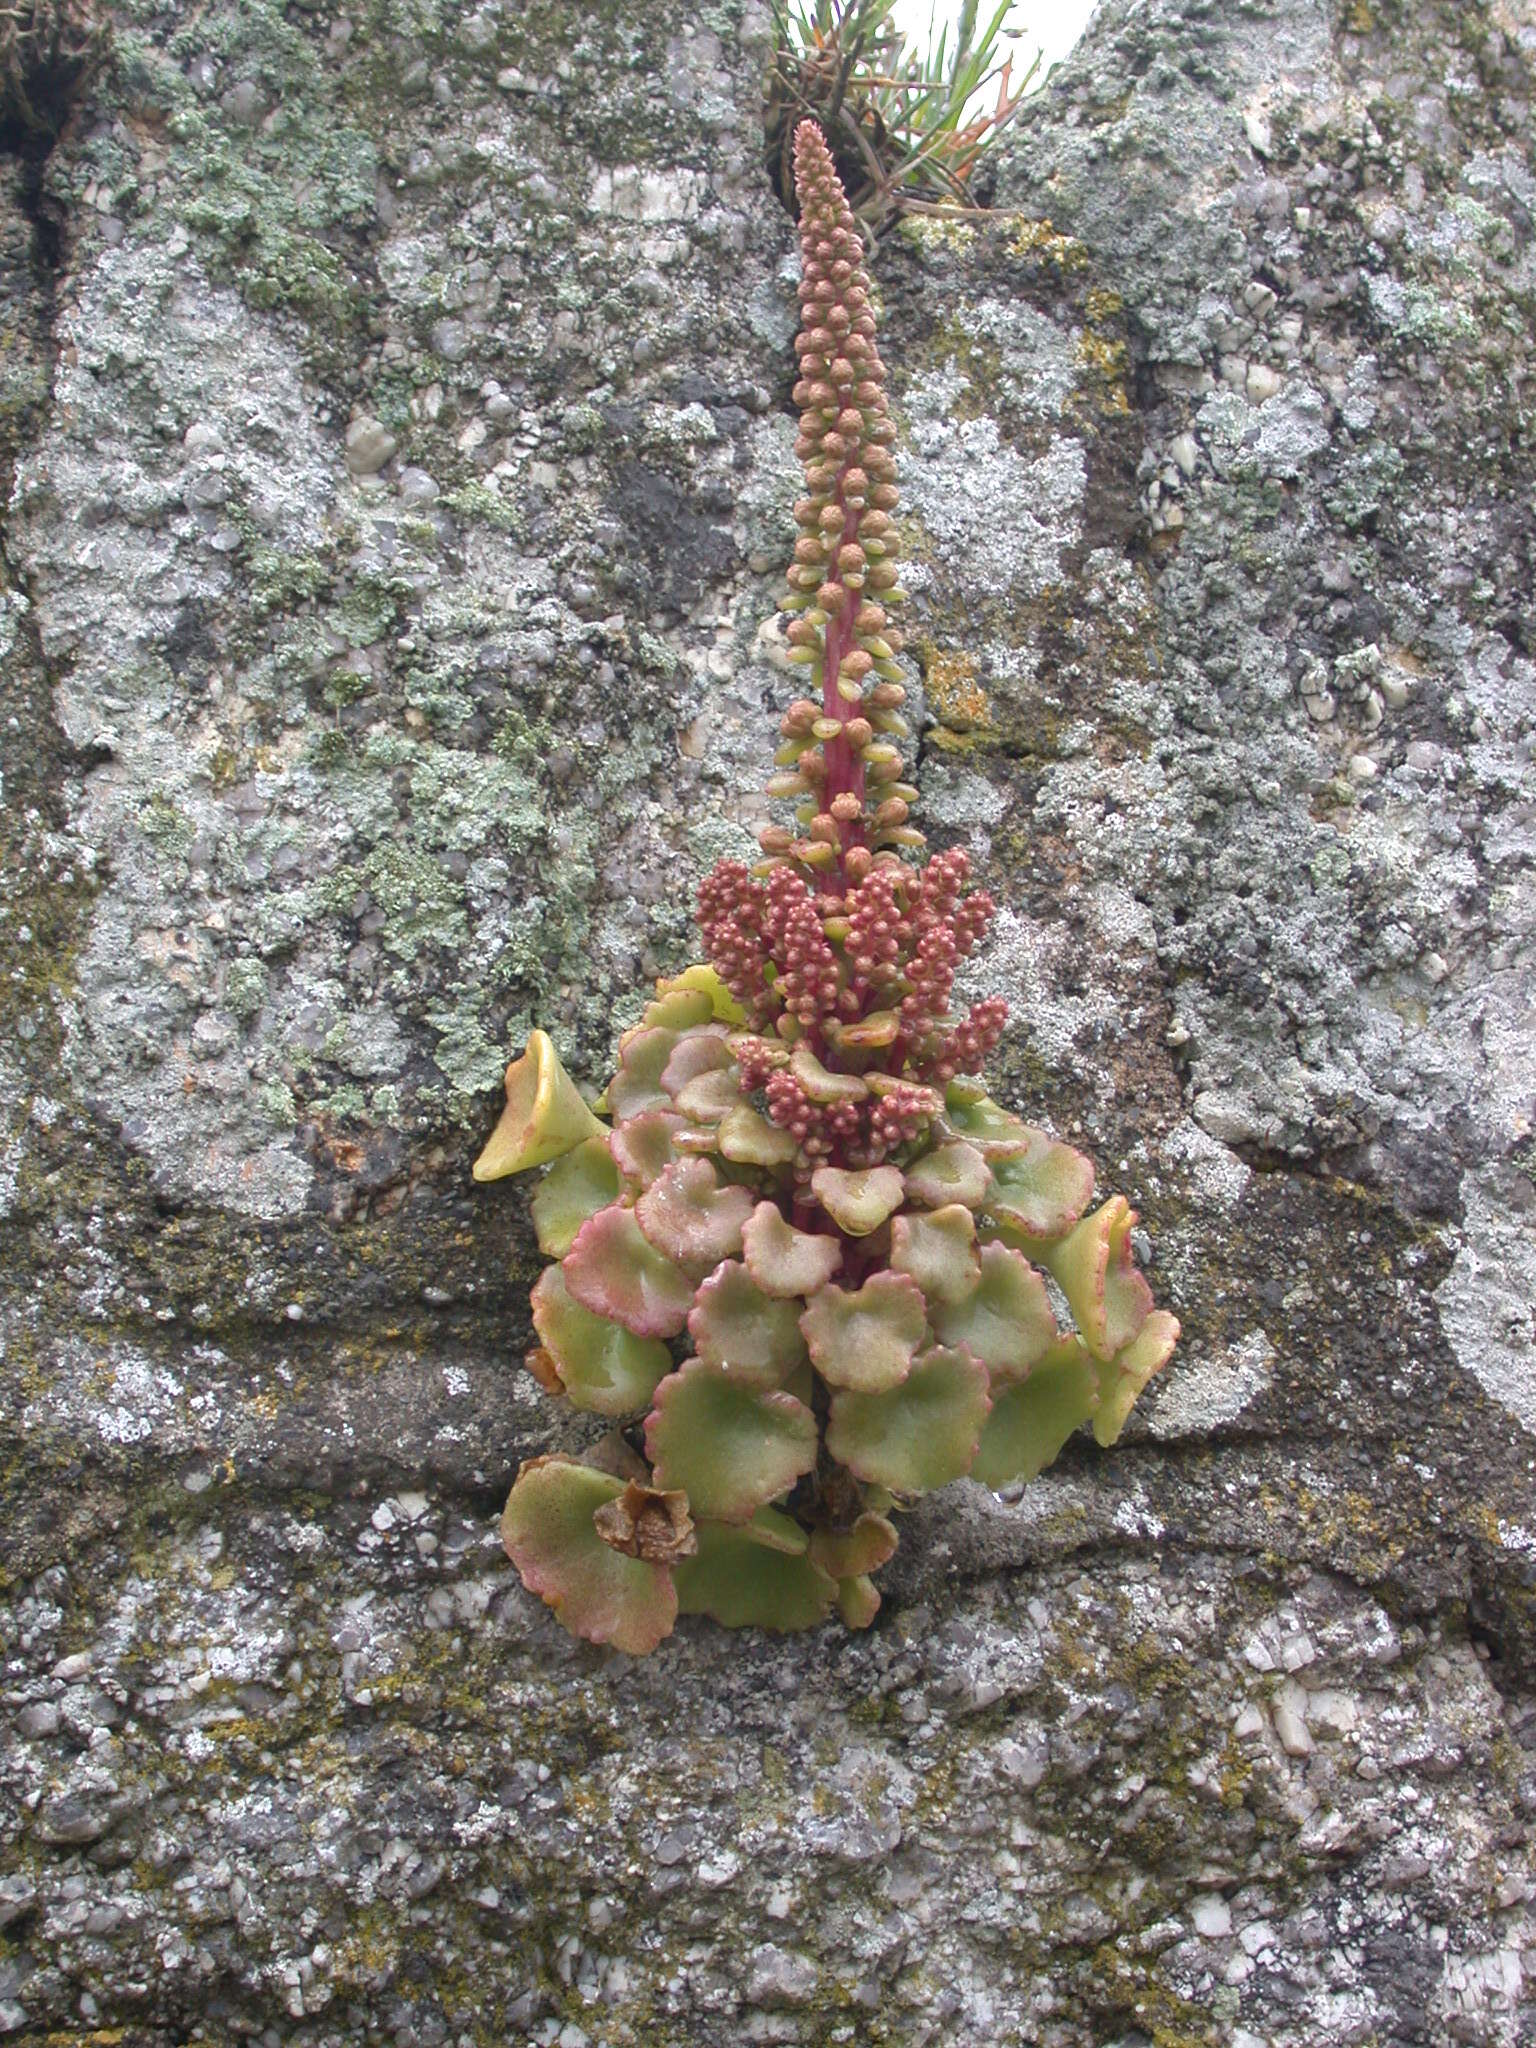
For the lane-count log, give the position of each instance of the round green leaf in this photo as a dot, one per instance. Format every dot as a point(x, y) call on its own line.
point(748, 1139)
point(690, 1218)
point(858, 1202)
point(636, 1087)
point(939, 1251)
point(603, 1367)
point(744, 1582)
point(753, 1336)
point(864, 1337)
point(1031, 1421)
point(1038, 1193)
point(921, 1434)
point(731, 1448)
point(785, 1261)
point(574, 1188)
point(955, 1172)
point(612, 1270)
point(1006, 1320)
point(981, 1122)
point(596, 1592)
point(642, 1145)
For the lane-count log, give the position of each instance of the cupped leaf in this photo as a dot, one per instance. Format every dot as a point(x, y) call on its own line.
point(850, 1553)
point(1094, 1270)
point(691, 1219)
point(748, 1139)
point(574, 1188)
point(602, 1366)
point(742, 1581)
point(731, 1448)
point(702, 979)
point(1006, 1320)
point(595, 1591)
point(785, 1261)
point(1122, 1379)
point(939, 1251)
point(753, 1336)
point(642, 1145)
point(858, 1202)
point(1038, 1194)
point(644, 1522)
point(955, 1172)
point(636, 1087)
point(613, 1270)
point(981, 1122)
point(544, 1117)
point(865, 1337)
point(1031, 1420)
point(921, 1434)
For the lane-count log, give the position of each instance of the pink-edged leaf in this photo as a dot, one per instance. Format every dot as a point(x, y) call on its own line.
point(613, 1270)
point(691, 1219)
point(921, 1434)
point(1094, 1269)
point(1031, 1420)
point(603, 1367)
point(700, 1051)
point(596, 1592)
point(785, 1261)
point(1006, 1320)
point(1037, 1194)
point(858, 1202)
point(574, 1188)
point(731, 1448)
point(939, 1251)
point(1123, 1377)
point(753, 1336)
point(865, 1337)
point(636, 1087)
point(955, 1172)
point(642, 1145)
point(709, 1097)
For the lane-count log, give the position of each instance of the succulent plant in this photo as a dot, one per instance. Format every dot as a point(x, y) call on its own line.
point(809, 1268)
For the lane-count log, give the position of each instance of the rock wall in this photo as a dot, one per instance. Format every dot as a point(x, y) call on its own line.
point(395, 420)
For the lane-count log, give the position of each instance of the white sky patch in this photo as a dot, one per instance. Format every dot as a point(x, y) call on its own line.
point(1049, 26)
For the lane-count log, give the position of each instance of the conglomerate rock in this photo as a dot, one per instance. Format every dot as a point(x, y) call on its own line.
point(394, 409)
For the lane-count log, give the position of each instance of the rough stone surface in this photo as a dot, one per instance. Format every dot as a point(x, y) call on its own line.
point(396, 446)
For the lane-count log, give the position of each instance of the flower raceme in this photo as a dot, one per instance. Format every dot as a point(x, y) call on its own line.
point(809, 1270)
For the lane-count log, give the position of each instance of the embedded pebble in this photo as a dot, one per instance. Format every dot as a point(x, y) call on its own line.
point(369, 446)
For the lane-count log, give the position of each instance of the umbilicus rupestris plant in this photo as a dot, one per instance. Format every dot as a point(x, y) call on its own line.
point(808, 1248)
